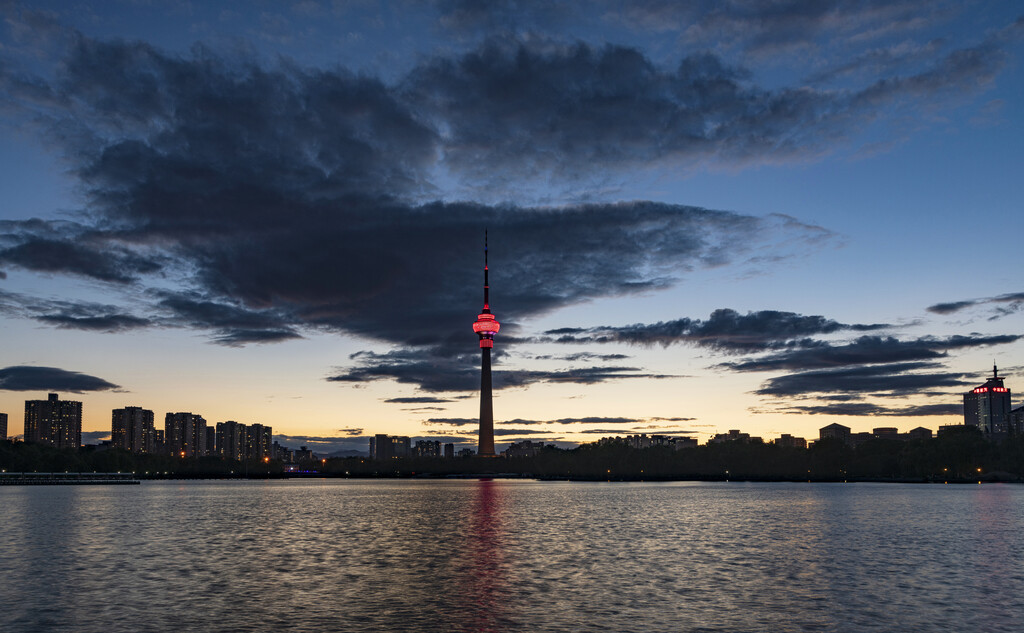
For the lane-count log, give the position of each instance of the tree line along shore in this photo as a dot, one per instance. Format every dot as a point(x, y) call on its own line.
point(963, 456)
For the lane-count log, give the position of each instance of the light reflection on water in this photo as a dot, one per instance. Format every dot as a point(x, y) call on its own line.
point(500, 555)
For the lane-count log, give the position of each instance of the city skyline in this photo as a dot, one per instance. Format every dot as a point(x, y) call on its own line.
point(702, 217)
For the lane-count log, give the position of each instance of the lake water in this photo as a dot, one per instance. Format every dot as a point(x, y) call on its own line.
point(505, 555)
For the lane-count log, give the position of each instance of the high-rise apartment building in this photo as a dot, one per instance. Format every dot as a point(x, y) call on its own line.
point(3, 426)
point(131, 429)
point(231, 440)
point(987, 407)
point(185, 434)
point(427, 448)
point(54, 422)
point(258, 441)
point(389, 446)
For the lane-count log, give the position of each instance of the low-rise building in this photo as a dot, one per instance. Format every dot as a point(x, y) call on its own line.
point(835, 431)
point(919, 433)
point(733, 435)
point(526, 448)
point(789, 441)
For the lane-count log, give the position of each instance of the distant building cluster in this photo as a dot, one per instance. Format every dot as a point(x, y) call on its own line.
point(846, 436)
point(526, 448)
point(832, 431)
point(58, 423)
point(384, 446)
point(643, 440)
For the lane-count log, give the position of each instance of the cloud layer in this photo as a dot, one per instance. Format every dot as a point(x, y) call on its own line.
point(258, 202)
point(725, 330)
point(28, 378)
point(282, 198)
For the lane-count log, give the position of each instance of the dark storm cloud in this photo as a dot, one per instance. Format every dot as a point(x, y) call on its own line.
point(872, 410)
point(453, 421)
point(582, 356)
point(25, 378)
point(72, 315)
point(232, 324)
point(96, 323)
point(437, 370)
point(540, 108)
point(277, 198)
point(1004, 305)
point(565, 421)
point(594, 420)
point(867, 350)
point(752, 26)
point(950, 308)
point(54, 256)
point(235, 338)
point(725, 330)
point(898, 379)
point(71, 248)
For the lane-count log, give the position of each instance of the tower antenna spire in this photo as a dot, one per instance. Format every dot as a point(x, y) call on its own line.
point(486, 326)
point(487, 286)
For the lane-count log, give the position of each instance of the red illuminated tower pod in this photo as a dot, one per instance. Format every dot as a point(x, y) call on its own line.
point(486, 326)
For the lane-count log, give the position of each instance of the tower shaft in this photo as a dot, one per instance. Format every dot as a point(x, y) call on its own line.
point(485, 446)
point(486, 326)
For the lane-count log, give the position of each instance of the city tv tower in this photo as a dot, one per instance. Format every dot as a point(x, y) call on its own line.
point(486, 326)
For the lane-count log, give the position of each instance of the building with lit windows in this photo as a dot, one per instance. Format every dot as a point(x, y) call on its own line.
point(54, 422)
point(384, 446)
point(231, 440)
point(987, 407)
point(427, 448)
point(131, 429)
point(258, 441)
point(185, 434)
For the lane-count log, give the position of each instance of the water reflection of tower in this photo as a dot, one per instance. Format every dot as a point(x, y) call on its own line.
point(485, 587)
point(486, 326)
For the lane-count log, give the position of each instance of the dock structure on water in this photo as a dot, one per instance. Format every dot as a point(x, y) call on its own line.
point(67, 479)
